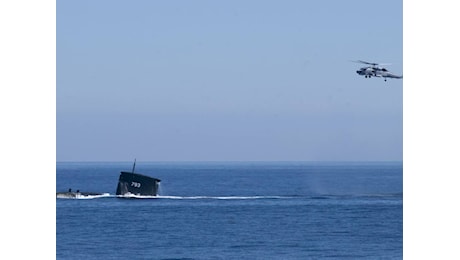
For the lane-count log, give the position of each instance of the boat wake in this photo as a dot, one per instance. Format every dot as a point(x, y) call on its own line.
point(221, 197)
point(133, 196)
point(165, 197)
point(82, 196)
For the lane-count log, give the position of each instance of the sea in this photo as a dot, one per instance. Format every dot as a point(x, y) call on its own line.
point(233, 210)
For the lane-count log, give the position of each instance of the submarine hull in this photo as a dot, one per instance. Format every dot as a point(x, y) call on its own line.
point(76, 195)
point(137, 184)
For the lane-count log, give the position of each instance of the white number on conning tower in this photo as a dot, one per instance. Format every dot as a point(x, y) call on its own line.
point(135, 184)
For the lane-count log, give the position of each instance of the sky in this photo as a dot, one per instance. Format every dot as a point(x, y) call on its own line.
point(227, 81)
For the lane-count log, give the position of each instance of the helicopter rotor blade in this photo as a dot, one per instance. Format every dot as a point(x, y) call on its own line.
point(368, 63)
point(372, 63)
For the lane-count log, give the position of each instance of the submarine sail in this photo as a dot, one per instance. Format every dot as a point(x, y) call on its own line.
point(137, 184)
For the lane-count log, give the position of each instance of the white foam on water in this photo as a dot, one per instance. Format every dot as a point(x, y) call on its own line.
point(134, 196)
point(83, 197)
point(220, 197)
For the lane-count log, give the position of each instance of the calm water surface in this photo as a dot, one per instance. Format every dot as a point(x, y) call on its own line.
point(234, 211)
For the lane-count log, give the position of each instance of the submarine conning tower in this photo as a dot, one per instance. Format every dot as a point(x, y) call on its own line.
point(137, 184)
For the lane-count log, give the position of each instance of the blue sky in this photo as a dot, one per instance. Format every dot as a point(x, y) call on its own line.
point(227, 81)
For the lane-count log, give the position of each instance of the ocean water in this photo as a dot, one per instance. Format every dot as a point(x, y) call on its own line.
point(234, 210)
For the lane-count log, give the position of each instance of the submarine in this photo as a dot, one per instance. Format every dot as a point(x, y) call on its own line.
point(77, 194)
point(131, 183)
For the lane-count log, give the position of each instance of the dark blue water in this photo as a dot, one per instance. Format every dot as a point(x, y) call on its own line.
point(234, 211)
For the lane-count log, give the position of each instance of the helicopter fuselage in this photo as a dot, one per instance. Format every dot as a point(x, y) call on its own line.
point(375, 71)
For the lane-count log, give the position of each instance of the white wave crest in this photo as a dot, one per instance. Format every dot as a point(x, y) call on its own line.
point(82, 196)
point(220, 197)
point(134, 196)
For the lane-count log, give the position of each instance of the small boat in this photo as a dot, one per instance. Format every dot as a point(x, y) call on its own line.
point(131, 183)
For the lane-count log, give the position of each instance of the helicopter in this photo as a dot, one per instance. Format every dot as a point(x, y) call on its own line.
point(375, 71)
